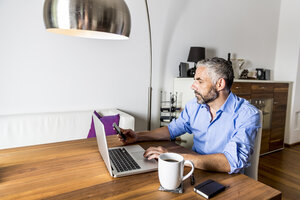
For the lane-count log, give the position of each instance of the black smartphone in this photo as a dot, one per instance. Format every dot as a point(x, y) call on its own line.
point(118, 130)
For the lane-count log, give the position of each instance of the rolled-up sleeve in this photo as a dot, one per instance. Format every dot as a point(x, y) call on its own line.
point(240, 147)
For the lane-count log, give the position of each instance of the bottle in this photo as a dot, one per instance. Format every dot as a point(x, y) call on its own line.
point(228, 58)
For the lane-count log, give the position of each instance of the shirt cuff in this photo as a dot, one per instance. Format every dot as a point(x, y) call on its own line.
point(172, 135)
point(237, 156)
point(230, 160)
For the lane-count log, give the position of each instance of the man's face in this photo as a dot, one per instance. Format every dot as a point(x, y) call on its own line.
point(204, 90)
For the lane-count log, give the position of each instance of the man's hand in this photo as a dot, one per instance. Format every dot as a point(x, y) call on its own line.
point(131, 136)
point(154, 152)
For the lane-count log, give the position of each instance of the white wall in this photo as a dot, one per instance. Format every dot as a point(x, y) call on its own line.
point(46, 72)
point(246, 28)
point(287, 62)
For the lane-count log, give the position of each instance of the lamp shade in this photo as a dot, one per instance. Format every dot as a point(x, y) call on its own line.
point(196, 54)
point(100, 19)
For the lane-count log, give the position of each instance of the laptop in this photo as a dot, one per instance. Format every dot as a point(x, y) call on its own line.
point(123, 160)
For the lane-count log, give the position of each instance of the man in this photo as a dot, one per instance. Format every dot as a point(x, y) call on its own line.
point(224, 125)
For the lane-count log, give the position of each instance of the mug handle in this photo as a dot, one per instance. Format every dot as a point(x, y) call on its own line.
point(192, 170)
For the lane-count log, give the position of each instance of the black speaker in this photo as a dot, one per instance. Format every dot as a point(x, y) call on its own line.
point(183, 68)
point(267, 74)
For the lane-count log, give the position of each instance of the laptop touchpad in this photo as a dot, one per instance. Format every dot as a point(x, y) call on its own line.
point(137, 155)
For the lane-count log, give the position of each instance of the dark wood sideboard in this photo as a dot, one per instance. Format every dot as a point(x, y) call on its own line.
point(272, 99)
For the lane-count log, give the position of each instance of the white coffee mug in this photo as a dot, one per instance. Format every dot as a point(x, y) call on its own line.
point(170, 170)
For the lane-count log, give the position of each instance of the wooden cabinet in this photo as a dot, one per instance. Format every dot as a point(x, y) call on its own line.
point(244, 90)
point(278, 116)
point(272, 99)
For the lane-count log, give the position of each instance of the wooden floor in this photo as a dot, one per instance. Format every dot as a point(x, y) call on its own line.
point(281, 170)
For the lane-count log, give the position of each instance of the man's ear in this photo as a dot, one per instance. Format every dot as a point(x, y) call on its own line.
point(221, 84)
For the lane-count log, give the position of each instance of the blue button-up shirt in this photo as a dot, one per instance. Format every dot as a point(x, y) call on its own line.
point(232, 132)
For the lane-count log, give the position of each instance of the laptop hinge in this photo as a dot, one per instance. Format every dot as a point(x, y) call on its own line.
point(112, 170)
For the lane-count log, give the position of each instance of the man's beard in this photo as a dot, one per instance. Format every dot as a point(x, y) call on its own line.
point(211, 96)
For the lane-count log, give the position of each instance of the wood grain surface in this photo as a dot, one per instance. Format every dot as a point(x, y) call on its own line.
point(281, 171)
point(75, 170)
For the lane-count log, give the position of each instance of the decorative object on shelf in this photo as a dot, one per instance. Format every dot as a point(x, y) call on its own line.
point(267, 74)
point(196, 54)
point(191, 72)
point(100, 19)
point(252, 74)
point(183, 69)
point(237, 65)
point(228, 58)
point(169, 108)
point(244, 74)
point(263, 74)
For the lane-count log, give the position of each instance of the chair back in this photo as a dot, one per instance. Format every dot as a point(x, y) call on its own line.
point(252, 171)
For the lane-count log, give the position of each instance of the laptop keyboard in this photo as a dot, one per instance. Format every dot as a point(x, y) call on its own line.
point(122, 160)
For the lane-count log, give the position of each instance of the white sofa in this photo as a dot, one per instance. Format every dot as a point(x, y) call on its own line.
point(32, 129)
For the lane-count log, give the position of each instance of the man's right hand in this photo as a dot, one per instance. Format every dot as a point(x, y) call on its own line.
point(156, 134)
point(131, 136)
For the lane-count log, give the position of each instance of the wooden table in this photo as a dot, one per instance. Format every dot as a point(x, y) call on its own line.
point(75, 170)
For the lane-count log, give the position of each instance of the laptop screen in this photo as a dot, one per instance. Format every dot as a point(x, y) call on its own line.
point(102, 143)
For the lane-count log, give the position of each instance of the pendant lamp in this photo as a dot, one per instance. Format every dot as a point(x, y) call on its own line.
point(99, 19)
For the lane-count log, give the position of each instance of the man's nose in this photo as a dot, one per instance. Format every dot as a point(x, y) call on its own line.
point(193, 86)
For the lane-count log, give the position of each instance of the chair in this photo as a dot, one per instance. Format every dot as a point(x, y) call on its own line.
point(252, 171)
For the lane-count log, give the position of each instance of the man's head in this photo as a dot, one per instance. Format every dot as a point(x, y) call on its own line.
point(212, 77)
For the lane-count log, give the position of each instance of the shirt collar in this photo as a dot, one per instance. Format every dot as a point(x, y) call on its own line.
point(203, 105)
point(228, 106)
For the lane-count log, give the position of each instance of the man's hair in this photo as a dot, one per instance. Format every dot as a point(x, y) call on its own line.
point(218, 68)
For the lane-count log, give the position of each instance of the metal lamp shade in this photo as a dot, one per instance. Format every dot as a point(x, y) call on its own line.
point(100, 19)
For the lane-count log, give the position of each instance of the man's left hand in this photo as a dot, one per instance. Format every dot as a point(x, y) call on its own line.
point(154, 152)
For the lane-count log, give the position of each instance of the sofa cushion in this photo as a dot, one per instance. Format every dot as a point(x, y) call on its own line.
point(107, 122)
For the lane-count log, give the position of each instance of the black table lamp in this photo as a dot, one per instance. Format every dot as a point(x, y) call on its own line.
point(196, 54)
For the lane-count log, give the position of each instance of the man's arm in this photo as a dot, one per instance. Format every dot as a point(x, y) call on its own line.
point(156, 134)
point(212, 162)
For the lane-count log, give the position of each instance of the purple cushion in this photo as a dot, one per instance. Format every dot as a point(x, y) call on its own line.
point(107, 121)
